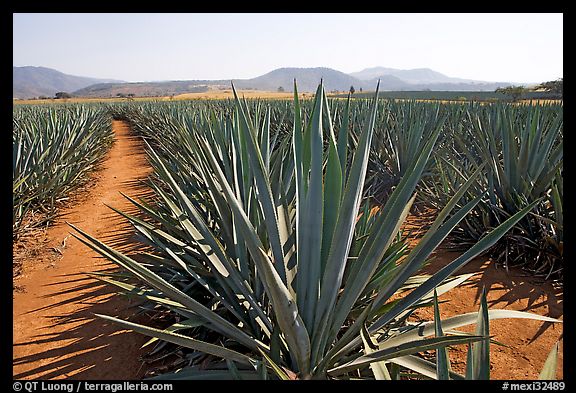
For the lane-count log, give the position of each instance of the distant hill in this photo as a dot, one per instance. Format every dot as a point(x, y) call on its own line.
point(413, 76)
point(427, 79)
point(374, 72)
point(40, 81)
point(148, 89)
point(29, 82)
point(426, 75)
point(307, 79)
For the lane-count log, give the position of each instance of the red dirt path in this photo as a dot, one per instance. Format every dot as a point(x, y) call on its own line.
point(55, 334)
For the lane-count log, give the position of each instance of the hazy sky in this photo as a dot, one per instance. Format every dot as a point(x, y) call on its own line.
point(145, 47)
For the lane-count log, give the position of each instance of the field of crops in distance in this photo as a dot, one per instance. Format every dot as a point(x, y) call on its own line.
point(489, 96)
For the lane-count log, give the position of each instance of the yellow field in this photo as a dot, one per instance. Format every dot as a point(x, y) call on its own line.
point(224, 94)
point(208, 95)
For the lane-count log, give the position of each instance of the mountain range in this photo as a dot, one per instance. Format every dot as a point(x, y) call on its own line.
point(29, 82)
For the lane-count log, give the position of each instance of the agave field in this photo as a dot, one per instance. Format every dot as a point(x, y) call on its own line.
point(276, 248)
point(54, 150)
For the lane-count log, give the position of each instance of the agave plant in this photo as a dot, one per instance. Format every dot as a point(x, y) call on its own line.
point(522, 149)
point(401, 133)
point(271, 259)
point(53, 150)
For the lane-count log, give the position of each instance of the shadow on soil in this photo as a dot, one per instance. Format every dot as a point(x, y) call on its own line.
point(516, 284)
point(92, 347)
point(86, 347)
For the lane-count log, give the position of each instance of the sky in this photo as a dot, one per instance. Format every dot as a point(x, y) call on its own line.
point(522, 48)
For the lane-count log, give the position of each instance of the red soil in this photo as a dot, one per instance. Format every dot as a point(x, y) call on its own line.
point(529, 342)
point(55, 333)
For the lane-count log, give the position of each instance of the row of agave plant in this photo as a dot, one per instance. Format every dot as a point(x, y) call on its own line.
point(53, 150)
point(269, 259)
point(521, 150)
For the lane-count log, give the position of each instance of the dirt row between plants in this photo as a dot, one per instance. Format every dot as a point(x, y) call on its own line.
point(56, 335)
point(526, 343)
